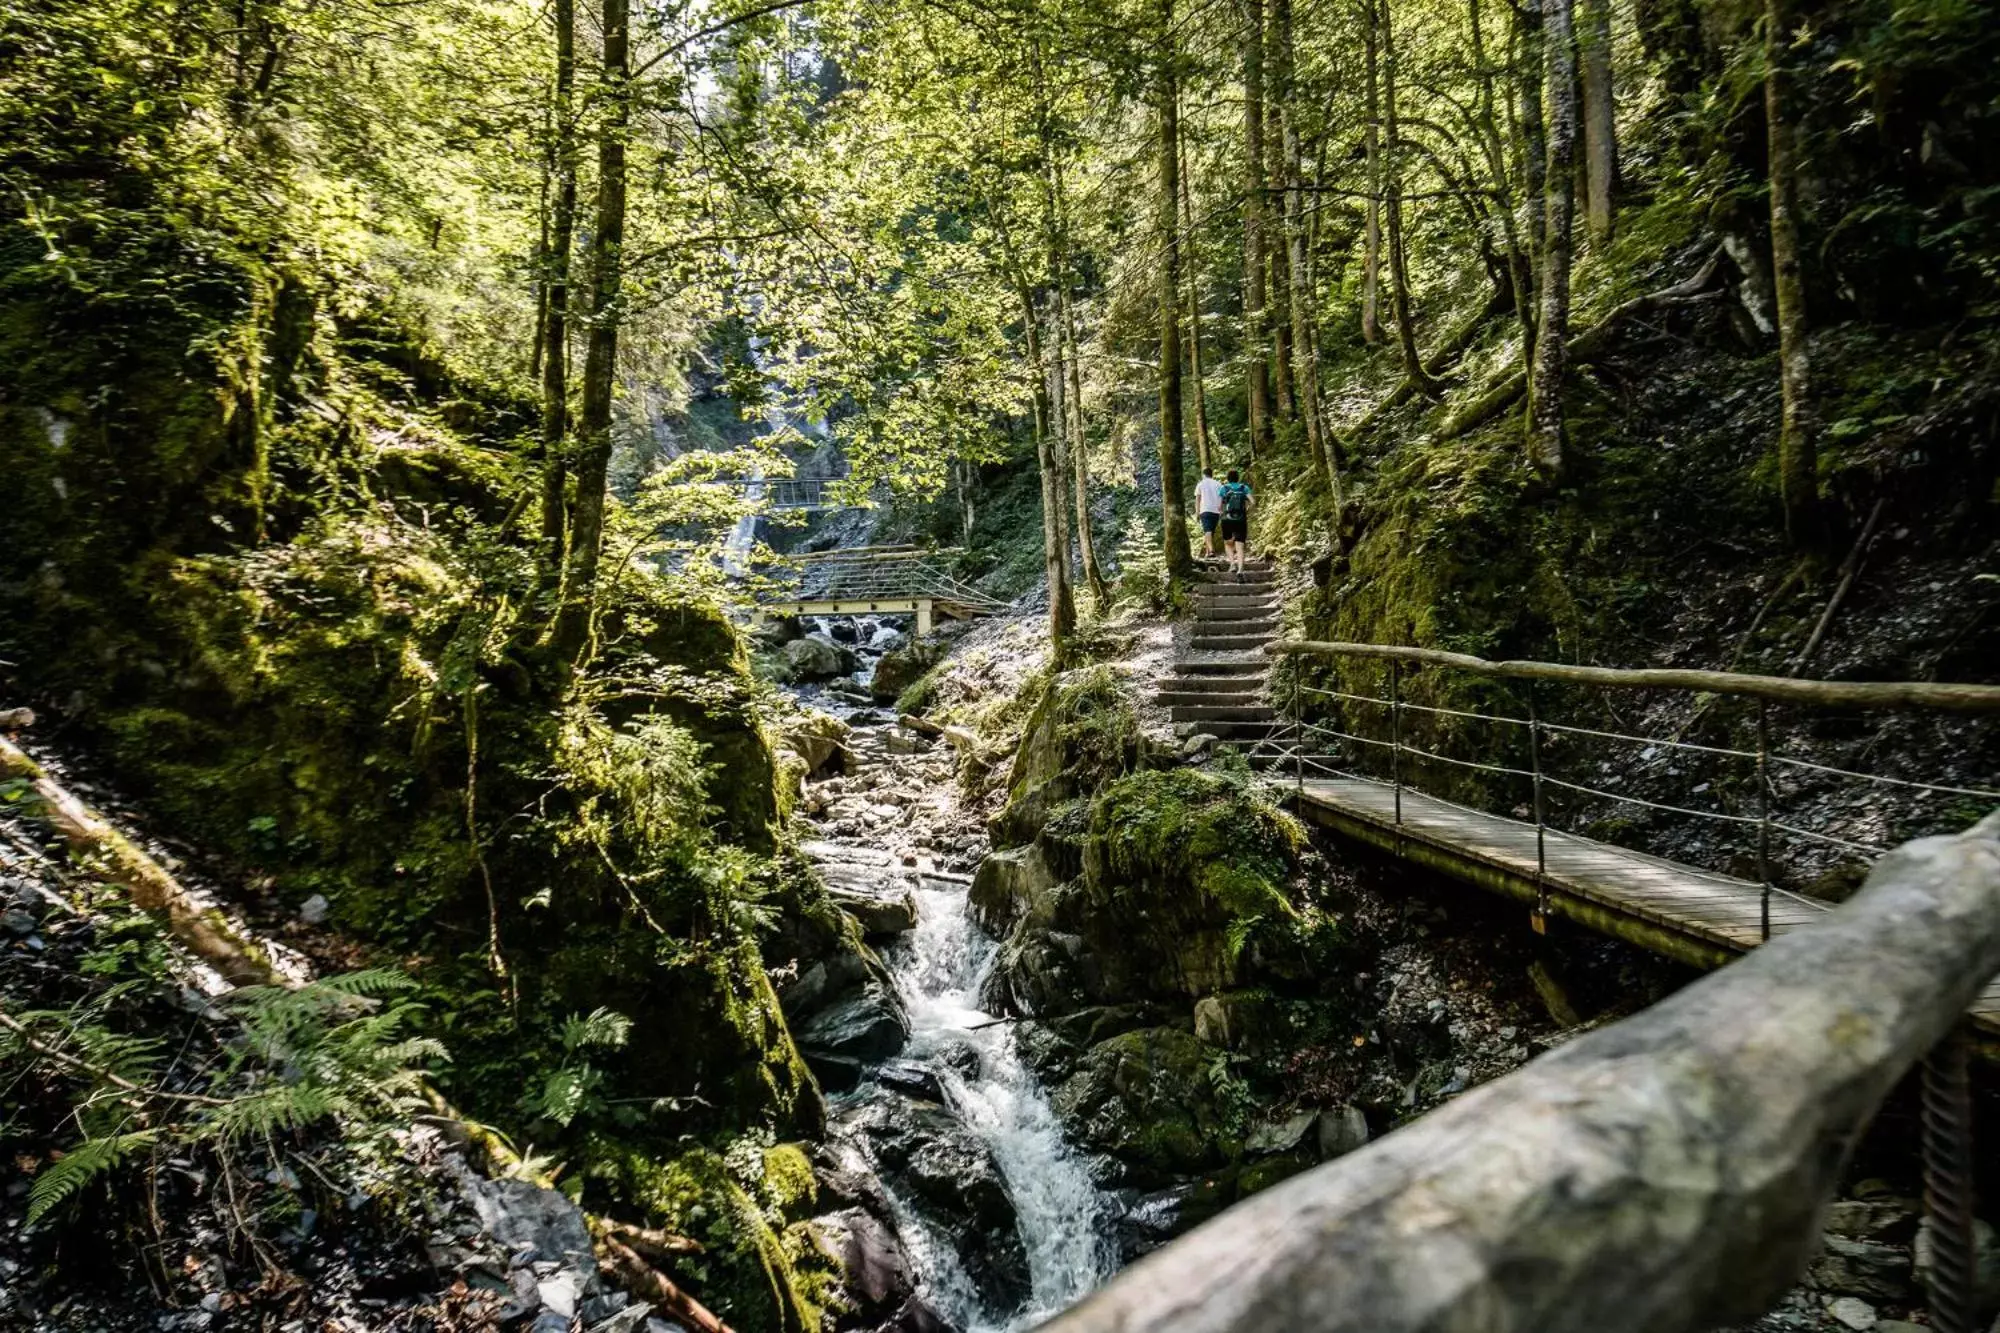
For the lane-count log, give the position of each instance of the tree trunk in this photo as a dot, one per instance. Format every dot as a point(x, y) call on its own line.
point(1545, 384)
point(1255, 336)
point(1533, 144)
point(1600, 127)
point(1304, 345)
point(571, 639)
point(554, 350)
point(1520, 274)
point(1371, 143)
point(1079, 458)
point(1173, 516)
point(1196, 372)
point(1798, 459)
point(1055, 541)
point(1399, 271)
point(1278, 286)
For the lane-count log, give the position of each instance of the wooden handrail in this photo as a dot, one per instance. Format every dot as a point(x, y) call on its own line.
point(1949, 697)
point(1665, 1174)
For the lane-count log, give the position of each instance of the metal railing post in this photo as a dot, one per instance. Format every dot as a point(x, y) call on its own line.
point(1948, 1183)
point(1396, 733)
point(1298, 733)
point(1541, 842)
point(1764, 813)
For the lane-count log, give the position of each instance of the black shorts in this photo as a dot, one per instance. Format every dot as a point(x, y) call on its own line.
point(1236, 529)
point(1209, 520)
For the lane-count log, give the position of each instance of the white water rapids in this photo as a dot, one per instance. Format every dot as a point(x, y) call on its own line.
point(1064, 1218)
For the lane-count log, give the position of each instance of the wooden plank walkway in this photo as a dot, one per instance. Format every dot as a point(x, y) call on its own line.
point(1697, 916)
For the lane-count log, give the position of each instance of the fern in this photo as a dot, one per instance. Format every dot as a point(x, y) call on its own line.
point(81, 1165)
point(605, 1028)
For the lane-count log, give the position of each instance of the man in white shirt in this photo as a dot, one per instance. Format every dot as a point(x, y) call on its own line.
point(1208, 504)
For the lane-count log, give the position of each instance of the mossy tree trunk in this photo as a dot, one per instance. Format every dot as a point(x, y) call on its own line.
point(1532, 145)
point(1278, 281)
point(1493, 146)
point(1399, 269)
point(1173, 516)
point(554, 349)
point(1304, 347)
point(1055, 540)
point(1600, 126)
point(1371, 148)
point(1798, 449)
point(1079, 458)
point(1196, 373)
point(1545, 384)
point(1256, 359)
point(571, 639)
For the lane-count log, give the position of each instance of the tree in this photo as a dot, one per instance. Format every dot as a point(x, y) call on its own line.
point(1304, 345)
point(1798, 455)
point(1545, 384)
point(554, 349)
point(1399, 271)
point(1371, 142)
point(1173, 513)
point(1600, 126)
point(1256, 356)
point(570, 640)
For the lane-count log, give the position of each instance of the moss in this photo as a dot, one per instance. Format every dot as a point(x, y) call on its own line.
point(758, 1273)
point(1081, 732)
point(1210, 833)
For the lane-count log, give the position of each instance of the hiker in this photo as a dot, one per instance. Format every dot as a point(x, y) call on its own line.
point(1208, 504)
point(1236, 500)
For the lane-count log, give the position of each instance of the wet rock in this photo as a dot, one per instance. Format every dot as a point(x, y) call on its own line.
point(816, 657)
point(1011, 884)
point(879, 1279)
point(944, 1169)
point(912, 1080)
point(843, 631)
point(868, 1026)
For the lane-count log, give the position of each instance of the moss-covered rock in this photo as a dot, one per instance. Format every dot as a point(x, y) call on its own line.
point(901, 668)
point(1080, 734)
point(1147, 1098)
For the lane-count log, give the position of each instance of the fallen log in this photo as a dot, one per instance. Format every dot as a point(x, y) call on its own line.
point(203, 930)
point(641, 1279)
point(1665, 1174)
point(1584, 346)
point(661, 1246)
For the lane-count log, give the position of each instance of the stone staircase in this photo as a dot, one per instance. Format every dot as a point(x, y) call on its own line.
point(1217, 688)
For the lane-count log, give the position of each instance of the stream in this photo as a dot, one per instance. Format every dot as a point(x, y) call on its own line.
point(960, 1154)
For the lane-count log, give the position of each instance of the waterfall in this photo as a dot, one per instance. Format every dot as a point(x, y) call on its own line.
point(1065, 1220)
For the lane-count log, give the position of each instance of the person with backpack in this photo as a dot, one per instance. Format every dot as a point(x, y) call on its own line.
point(1208, 505)
point(1236, 502)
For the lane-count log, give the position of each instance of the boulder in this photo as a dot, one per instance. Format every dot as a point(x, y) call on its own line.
point(1867, 1268)
point(878, 1276)
point(820, 740)
point(903, 667)
point(1010, 884)
point(867, 1026)
point(816, 657)
point(1146, 1099)
point(1236, 1020)
point(944, 1170)
point(1342, 1130)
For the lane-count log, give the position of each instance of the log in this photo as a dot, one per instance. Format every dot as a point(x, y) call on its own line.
point(203, 930)
point(1664, 1174)
point(661, 1246)
point(648, 1283)
point(1940, 695)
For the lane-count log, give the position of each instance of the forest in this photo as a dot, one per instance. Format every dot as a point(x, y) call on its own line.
point(467, 863)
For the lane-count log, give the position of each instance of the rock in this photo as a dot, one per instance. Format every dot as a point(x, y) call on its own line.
point(844, 632)
point(1342, 1130)
point(878, 1275)
point(1145, 1098)
point(1195, 745)
point(820, 739)
point(521, 1216)
point(901, 741)
point(1281, 1135)
point(1862, 1268)
point(869, 1026)
point(1235, 1020)
point(313, 911)
point(15, 921)
point(903, 667)
point(1008, 886)
point(912, 1080)
point(1873, 1219)
point(1852, 1313)
point(560, 1293)
point(816, 657)
point(1899, 1326)
point(879, 897)
point(626, 1320)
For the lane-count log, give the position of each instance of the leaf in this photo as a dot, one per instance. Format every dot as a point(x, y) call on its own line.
point(84, 1163)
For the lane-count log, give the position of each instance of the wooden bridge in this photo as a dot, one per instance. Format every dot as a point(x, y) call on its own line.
point(1698, 916)
point(866, 580)
point(810, 495)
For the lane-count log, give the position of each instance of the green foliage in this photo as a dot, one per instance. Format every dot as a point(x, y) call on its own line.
point(572, 1088)
point(1216, 834)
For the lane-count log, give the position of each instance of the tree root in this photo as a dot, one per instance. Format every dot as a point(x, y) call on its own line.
point(648, 1283)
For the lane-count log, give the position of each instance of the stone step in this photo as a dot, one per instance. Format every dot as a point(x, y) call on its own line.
point(1207, 611)
point(1200, 665)
point(1207, 698)
point(1223, 713)
point(1231, 643)
point(1231, 731)
point(1211, 685)
point(1248, 578)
